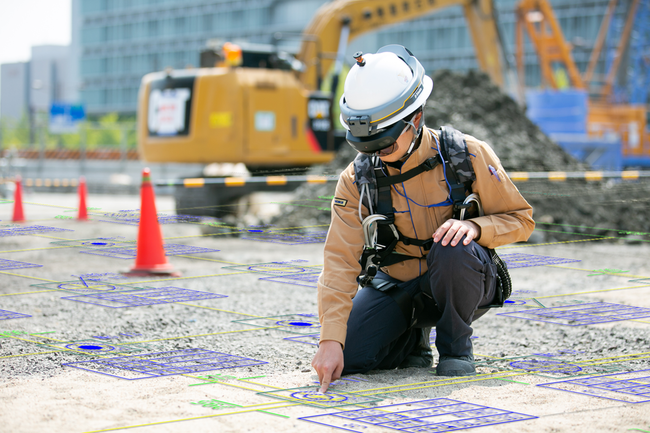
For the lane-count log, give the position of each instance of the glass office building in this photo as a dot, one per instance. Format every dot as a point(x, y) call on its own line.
point(118, 41)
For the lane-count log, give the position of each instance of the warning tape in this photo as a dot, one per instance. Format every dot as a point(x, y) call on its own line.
point(517, 176)
point(241, 181)
point(560, 176)
point(44, 182)
point(553, 176)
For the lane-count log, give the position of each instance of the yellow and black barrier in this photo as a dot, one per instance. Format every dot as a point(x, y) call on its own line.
point(38, 182)
point(241, 181)
point(561, 176)
point(553, 176)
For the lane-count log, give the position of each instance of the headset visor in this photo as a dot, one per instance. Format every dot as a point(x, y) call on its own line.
point(381, 140)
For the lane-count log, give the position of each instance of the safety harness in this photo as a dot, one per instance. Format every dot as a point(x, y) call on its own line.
point(381, 235)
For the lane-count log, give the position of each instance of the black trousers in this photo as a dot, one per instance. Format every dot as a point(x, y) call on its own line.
point(462, 281)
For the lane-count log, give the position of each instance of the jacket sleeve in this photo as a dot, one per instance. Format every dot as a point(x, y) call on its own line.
point(508, 216)
point(337, 284)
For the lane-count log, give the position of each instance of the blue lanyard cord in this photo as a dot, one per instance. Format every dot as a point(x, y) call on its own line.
point(412, 224)
point(447, 202)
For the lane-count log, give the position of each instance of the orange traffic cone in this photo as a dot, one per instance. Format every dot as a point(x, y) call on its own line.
point(150, 256)
point(19, 213)
point(83, 210)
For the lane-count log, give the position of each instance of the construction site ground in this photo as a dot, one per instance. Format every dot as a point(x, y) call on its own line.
point(227, 345)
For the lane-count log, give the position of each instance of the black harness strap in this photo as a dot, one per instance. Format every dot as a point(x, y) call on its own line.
point(459, 186)
point(385, 235)
point(427, 165)
point(453, 154)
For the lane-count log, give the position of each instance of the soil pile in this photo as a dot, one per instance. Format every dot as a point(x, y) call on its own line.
point(471, 103)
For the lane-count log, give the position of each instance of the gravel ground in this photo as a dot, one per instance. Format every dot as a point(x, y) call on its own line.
point(74, 400)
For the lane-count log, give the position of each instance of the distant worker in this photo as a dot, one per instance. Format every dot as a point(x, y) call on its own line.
point(398, 231)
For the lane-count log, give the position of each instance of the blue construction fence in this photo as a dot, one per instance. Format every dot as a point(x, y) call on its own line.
point(562, 115)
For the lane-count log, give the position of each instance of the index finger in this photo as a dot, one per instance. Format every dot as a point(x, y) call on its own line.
point(325, 383)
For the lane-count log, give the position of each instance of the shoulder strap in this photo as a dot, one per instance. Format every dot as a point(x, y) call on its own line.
point(460, 172)
point(368, 173)
point(364, 174)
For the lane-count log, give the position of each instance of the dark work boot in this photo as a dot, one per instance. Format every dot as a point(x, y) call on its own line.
point(421, 356)
point(456, 366)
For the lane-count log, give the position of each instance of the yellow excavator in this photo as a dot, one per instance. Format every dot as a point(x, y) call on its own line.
point(264, 108)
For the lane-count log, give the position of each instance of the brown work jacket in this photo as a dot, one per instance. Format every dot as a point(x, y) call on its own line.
point(508, 218)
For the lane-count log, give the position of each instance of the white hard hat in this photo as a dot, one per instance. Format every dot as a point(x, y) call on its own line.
point(381, 80)
point(380, 90)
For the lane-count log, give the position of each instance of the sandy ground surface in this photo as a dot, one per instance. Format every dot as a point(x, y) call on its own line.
point(264, 324)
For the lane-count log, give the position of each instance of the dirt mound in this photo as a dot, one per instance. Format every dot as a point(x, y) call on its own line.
point(471, 103)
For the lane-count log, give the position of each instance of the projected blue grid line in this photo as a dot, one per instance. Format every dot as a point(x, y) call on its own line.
point(424, 416)
point(285, 268)
point(581, 314)
point(311, 396)
point(311, 339)
point(289, 238)
point(306, 280)
point(518, 260)
point(30, 230)
point(6, 264)
point(294, 323)
point(160, 364)
point(139, 298)
point(632, 387)
point(132, 217)
point(6, 315)
point(95, 243)
point(130, 252)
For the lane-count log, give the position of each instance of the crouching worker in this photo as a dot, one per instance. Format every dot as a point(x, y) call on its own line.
point(415, 219)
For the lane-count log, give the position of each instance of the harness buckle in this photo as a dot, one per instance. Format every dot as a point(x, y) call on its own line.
point(431, 163)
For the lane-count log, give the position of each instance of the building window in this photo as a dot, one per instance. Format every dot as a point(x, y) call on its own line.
point(208, 20)
point(179, 25)
point(126, 64)
point(152, 28)
point(179, 59)
point(154, 62)
point(127, 32)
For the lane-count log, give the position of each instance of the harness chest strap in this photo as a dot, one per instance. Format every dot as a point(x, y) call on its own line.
point(370, 174)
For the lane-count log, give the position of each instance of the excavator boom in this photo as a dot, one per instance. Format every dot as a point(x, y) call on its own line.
point(321, 37)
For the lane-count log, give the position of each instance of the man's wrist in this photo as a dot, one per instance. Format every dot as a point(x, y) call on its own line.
point(330, 342)
point(477, 229)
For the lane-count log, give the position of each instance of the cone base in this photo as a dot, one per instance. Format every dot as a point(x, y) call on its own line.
point(150, 273)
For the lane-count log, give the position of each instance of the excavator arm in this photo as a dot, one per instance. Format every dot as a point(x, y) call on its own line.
point(339, 20)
